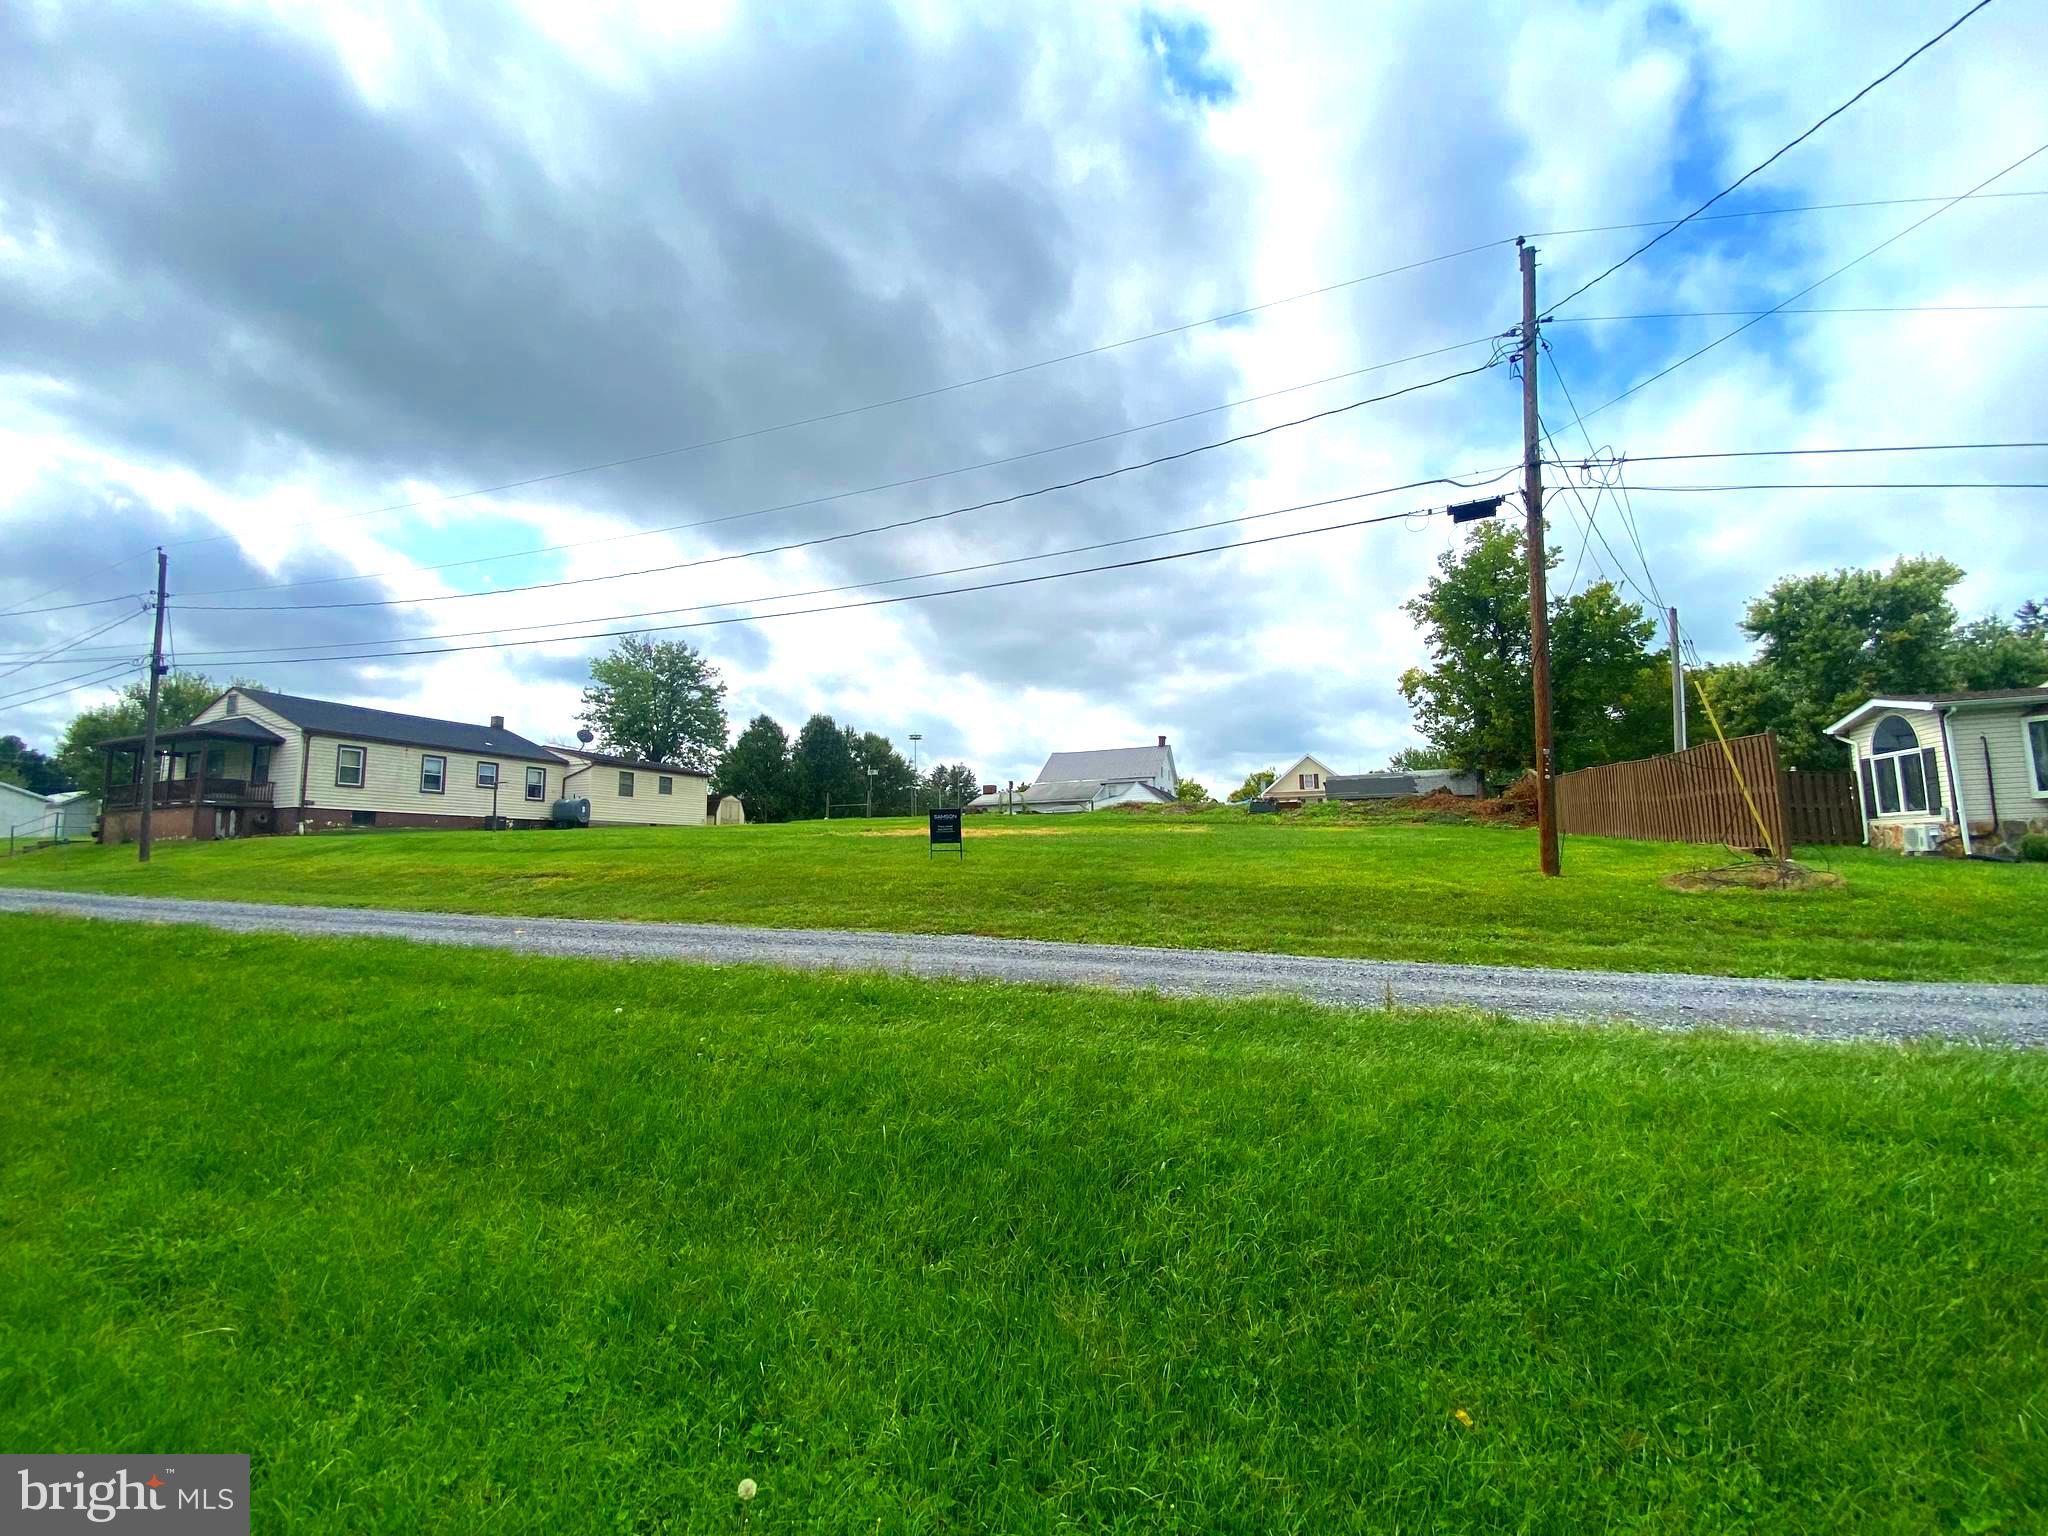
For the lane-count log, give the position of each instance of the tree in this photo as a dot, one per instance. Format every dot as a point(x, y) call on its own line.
point(1188, 792)
point(22, 764)
point(951, 784)
point(1990, 653)
point(181, 697)
point(1415, 759)
point(2031, 619)
point(889, 780)
point(659, 699)
point(756, 768)
point(1255, 785)
point(822, 768)
point(1474, 704)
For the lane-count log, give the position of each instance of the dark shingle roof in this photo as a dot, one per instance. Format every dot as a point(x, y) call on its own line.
point(1986, 696)
point(230, 728)
point(322, 717)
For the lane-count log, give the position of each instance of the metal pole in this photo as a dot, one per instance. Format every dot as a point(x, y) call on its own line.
point(1539, 552)
point(156, 677)
point(1678, 742)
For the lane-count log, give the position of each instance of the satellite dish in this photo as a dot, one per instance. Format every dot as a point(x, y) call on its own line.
point(586, 736)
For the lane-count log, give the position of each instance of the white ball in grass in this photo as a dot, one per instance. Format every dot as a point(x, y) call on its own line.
point(747, 1489)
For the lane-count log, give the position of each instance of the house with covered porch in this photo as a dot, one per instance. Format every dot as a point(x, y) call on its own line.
point(254, 761)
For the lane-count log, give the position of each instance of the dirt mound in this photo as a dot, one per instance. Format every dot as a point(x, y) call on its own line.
point(1164, 807)
point(1755, 875)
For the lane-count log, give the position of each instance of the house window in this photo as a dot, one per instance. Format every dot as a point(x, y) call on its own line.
point(667, 785)
point(259, 765)
point(234, 705)
point(433, 774)
point(1900, 777)
point(486, 775)
point(349, 763)
point(1310, 780)
point(216, 761)
point(625, 786)
point(362, 818)
point(536, 783)
point(2037, 752)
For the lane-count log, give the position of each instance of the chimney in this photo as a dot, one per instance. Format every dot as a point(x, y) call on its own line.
point(498, 724)
point(1162, 741)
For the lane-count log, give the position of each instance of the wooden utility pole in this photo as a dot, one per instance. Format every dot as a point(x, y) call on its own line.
point(156, 679)
point(1539, 553)
point(1678, 742)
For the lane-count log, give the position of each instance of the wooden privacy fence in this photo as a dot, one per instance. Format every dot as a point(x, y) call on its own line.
point(1693, 797)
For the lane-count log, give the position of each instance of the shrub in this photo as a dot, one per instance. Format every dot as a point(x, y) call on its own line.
point(2034, 847)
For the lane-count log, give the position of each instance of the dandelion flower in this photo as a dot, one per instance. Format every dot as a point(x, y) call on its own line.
point(1463, 1418)
point(747, 1489)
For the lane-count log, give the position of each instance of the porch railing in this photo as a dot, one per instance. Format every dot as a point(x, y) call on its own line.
point(128, 797)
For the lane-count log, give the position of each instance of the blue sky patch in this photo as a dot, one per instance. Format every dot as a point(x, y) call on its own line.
point(1182, 49)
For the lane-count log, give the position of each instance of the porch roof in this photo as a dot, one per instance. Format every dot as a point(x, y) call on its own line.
point(230, 728)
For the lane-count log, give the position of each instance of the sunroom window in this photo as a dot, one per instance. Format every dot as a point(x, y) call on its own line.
point(1900, 777)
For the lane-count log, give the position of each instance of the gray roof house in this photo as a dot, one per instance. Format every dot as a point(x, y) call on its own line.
point(1088, 781)
point(1962, 772)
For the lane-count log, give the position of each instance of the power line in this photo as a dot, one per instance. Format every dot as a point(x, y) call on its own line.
point(878, 602)
point(855, 533)
point(70, 685)
point(1755, 213)
point(45, 658)
point(1775, 155)
point(1623, 509)
point(1802, 293)
point(818, 501)
point(1792, 453)
point(1863, 485)
point(1470, 481)
point(1765, 314)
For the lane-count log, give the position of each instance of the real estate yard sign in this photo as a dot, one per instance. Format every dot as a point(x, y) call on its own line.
point(945, 828)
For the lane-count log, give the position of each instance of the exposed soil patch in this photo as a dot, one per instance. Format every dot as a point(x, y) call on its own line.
point(1755, 875)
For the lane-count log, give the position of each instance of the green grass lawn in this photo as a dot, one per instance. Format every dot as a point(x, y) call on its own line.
point(461, 1241)
point(1313, 886)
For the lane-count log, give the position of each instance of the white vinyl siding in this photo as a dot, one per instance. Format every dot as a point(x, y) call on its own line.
point(285, 757)
point(2002, 735)
point(392, 780)
point(1304, 781)
point(534, 784)
point(684, 806)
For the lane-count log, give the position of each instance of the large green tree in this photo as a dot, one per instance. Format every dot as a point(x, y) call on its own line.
point(657, 698)
point(1827, 642)
point(822, 768)
point(22, 764)
point(886, 774)
point(1474, 702)
point(950, 784)
point(756, 768)
point(181, 697)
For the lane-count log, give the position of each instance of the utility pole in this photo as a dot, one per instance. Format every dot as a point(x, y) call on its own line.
point(156, 679)
point(1677, 685)
point(916, 783)
point(1539, 551)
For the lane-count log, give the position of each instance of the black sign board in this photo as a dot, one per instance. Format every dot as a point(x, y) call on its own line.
point(946, 829)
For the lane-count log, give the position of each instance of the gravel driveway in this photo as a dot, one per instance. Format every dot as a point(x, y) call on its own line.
point(2005, 1014)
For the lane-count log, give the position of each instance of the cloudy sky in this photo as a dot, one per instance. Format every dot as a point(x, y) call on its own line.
point(341, 304)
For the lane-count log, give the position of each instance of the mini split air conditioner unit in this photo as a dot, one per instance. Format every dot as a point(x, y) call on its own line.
point(1924, 838)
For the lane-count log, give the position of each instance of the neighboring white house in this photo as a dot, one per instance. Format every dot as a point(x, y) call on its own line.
point(76, 811)
point(1306, 781)
point(635, 791)
point(1089, 781)
point(30, 817)
point(1965, 767)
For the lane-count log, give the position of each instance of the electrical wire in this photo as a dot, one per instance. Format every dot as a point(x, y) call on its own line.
point(1802, 293)
point(1764, 164)
point(855, 533)
point(1795, 453)
point(1765, 314)
point(1472, 480)
point(1862, 485)
point(75, 684)
point(1623, 509)
point(47, 657)
point(819, 501)
point(1755, 213)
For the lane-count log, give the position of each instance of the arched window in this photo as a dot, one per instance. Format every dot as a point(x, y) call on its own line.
point(1899, 775)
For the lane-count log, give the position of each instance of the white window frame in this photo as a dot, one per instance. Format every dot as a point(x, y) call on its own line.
point(481, 781)
point(362, 767)
point(625, 784)
point(1887, 763)
point(536, 791)
point(667, 786)
point(2037, 769)
point(441, 781)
